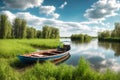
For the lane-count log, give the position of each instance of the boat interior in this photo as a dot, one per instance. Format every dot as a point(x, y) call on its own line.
point(44, 53)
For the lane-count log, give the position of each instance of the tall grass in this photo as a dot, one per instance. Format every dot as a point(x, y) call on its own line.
point(12, 69)
point(13, 47)
point(6, 72)
point(49, 71)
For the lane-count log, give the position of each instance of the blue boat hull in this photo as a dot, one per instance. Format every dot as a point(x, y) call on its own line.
point(26, 59)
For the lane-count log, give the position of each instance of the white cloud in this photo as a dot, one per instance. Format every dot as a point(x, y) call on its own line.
point(49, 11)
point(22, 4)
point(55, 15)
point(102, 9)
point(10, 15)
point(66, 28)
point(63, 5)
point(25, 4)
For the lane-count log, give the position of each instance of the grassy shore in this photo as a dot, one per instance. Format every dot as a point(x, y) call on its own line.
point(13, 47)
point(49, 71)
point(12, 69)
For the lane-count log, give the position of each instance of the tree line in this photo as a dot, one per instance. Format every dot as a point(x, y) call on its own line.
point(18, 29)
point(114, 33)
point(81, 37)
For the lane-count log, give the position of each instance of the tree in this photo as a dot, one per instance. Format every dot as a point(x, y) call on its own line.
point(31, 32)
point(54, 33)
point(23, 29)
point(78, 37)
point(5, 27)
point(19, 28)
point(9, 32)
point(45, 31)
point(87, 38)
point(50, 32)
point(16, 28)
point(113, 34)
point(117, 29)
point(104, 34)
point(39, 34)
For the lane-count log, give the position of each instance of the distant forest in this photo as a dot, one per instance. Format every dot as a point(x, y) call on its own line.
point(19, 29)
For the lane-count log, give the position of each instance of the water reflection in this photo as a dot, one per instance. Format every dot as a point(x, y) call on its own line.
point(61, 60)
point(101, 55)
point(77, 42)
point(110, 45)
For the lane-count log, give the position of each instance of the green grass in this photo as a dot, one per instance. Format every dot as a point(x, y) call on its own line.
point(13, 47)
point(49, 71)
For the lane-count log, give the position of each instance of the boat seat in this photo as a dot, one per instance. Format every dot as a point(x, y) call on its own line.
point(37, 55)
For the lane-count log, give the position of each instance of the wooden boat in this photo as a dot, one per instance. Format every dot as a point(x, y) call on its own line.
point(55, 61)
point(51, 54)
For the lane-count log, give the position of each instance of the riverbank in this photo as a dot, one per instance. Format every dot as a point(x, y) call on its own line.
point(12, 47)
point(49, 71)
point(109, 39)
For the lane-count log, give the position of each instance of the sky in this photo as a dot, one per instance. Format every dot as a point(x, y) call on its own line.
point(70, 16)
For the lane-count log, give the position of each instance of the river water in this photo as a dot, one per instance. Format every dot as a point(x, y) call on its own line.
point(100, 55)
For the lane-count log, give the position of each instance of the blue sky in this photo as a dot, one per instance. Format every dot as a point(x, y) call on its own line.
point(70, 16)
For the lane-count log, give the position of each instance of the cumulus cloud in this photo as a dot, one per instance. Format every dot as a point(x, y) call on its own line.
point(22, 4)
point(25, 4)
point(10, 15)
point(63, 5)
point(66, 28)
point(49, 11)
point(55, 15)
point(102, 9)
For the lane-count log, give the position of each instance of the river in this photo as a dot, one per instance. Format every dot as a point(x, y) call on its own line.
point(100, 55)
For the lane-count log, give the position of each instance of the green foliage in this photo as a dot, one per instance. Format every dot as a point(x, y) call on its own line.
point(39, 34)
point(49, 71)
point(11, 48)
point(5, 27)
point(110, 75)
point(23, 29)
point(87, 38)
point(81, 37)
point(113, 35)
point(31, 32)
point(117, 29)
point(19, 30)
point(50, 32)
point(6, 72)
point(104, 34)
point(16, 27)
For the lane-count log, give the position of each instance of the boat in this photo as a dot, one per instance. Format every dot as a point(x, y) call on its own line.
point(51, 54)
